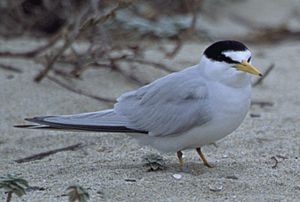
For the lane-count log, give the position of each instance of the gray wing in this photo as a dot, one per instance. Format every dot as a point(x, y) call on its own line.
point(100, 121)
point(169, 105)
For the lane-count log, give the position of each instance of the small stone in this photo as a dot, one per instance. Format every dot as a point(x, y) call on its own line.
point(130, 180)
point(35, 188)
point(253, 115)
point(225, 156)
point(232, 177)
point(216, 187)
point(177, 176)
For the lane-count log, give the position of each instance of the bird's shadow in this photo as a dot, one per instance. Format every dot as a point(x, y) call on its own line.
point(191, 168)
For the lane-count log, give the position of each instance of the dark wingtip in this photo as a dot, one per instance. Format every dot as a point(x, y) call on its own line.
point(19, 126)
point(24, 126)
point(37, 119)
point(31, 119)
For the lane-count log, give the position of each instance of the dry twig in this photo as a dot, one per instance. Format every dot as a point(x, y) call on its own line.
point(265, 74)
point(10, 68)
point(262, 103)
point(48, 153)
point(146, 62)
point(276, 162)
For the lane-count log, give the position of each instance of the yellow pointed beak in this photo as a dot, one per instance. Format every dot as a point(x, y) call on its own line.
point(246, 67)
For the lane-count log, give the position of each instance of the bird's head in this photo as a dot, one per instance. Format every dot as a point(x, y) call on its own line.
point(228, 58)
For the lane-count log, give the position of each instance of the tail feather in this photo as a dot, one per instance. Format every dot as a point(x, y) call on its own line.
point(101, 121)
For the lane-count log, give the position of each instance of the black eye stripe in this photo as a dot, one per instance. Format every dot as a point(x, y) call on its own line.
point(224, 58)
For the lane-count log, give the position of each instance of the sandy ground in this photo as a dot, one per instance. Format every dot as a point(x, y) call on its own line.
point(110, 166)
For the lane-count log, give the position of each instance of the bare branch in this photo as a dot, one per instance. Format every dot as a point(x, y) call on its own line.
point(70, 40)
point(51, 62)
point(79, 91)
point(146, 62)
point(189, 30)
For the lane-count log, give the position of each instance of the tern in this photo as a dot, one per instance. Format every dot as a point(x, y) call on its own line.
point(183, 110)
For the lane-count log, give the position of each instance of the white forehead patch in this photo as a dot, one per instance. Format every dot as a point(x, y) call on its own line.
point(238, 55)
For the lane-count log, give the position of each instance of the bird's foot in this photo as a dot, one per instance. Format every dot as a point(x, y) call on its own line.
point(181, 161)
point(202, 157)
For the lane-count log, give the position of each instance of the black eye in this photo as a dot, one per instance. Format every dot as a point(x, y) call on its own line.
point(249, 59)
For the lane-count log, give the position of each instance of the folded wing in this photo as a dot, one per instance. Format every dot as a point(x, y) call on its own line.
point(168, 106)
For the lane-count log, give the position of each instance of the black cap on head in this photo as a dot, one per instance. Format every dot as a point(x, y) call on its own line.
point(214, 51)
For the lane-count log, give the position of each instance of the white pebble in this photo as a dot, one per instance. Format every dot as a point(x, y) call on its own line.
point(225, 156)
point(177, 176)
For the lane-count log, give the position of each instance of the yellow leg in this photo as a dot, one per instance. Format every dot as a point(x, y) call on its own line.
point(205, 162)
point(179, 156)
